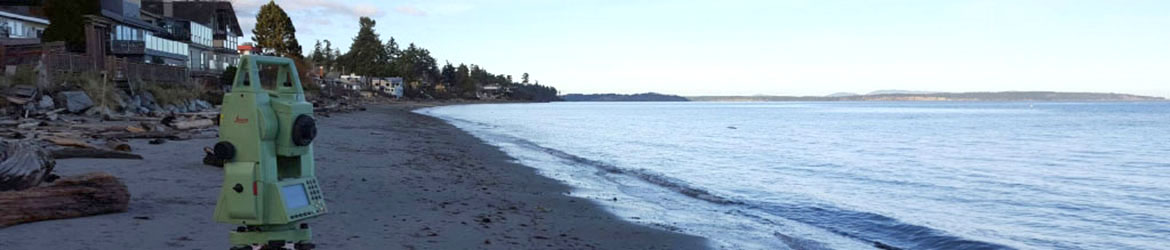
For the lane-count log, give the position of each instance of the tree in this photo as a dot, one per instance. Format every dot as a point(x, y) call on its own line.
point(463, 80)
point(524, 78)
point(392, 49)
point(275, 31)
point(366, 55)
point(67, 21)
point(318, 55)
point(448, 76)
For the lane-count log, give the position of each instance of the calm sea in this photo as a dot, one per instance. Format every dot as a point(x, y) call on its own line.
point(840, 175)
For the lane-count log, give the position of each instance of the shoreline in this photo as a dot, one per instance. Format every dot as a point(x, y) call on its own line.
point(392, 179)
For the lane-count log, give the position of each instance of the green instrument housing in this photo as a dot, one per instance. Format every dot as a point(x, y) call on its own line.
point(269, 182)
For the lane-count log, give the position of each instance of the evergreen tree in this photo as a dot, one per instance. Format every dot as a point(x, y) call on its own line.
point(67, 21)
point(524, 78)
point(448, 75)
point(366, 55)
point(392, 49)
point(275, 31)
point(318, 55)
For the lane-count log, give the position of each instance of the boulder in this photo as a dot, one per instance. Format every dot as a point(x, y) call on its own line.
point(148, 99)
point(74, 101)
point(203, 105)
point(45, 103)
point(191, 107)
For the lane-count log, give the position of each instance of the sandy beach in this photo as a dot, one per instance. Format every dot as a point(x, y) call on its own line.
point(393, 179)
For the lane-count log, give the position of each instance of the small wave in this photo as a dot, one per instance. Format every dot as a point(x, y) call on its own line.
point(645, 175)
point(880, 231)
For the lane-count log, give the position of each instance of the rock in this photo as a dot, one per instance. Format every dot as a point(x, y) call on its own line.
point(192, 107)
point(203, 105)
point(100, 111)
point(75, 101)
point(148, 99)
point(45, 103)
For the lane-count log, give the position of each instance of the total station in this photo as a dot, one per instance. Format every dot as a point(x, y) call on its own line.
point(266, 137)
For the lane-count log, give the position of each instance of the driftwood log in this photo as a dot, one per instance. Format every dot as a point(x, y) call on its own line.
point(70, 197)
point(147, 135)
point(23, 164)
point(201, 123)
point(66, 153)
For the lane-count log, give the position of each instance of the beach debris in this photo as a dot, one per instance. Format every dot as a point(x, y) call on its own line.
point(193, 124)
point(69, 142)
point(210, 159)
point(118, 145)
point(23, 164)
point(70, 197)
point(134, 129)
point(66, 153)
point(177, 136)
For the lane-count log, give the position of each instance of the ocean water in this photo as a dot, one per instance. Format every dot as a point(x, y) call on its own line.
point(863, 175)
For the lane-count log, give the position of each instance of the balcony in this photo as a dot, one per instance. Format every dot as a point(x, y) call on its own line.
point(127, 47)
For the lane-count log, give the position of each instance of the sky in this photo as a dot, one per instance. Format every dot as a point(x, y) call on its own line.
point(772, 47)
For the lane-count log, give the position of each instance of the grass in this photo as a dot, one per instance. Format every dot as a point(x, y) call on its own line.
point(176, 94)
point(25, 75)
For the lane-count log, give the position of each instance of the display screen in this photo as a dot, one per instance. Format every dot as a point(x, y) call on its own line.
point(294, 196)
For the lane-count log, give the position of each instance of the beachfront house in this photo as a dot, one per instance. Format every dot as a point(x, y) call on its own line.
point(389, 85)
point(209, 27)
point(492, 91)
point(19, 25)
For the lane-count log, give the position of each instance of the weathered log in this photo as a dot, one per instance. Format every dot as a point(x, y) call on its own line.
point(118, 145)
point(23, 164)
point(70, 142)
point(66, 153)
point(147, 135)
point(133, 129)
point(70, 197)
point(201, 123)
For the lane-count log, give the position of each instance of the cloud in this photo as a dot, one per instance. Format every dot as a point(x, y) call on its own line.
point(311, 7)
point(410, 11)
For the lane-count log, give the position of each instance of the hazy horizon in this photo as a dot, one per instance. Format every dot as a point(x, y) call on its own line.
point(794, 48)
point(862, 93)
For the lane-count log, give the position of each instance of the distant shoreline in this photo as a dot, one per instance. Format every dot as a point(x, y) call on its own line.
point(1006, 96)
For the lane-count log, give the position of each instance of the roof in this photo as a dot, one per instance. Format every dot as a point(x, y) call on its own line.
point(23, 17)
point(202, 12)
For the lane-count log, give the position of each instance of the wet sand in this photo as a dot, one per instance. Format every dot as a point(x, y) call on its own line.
point(392, 180)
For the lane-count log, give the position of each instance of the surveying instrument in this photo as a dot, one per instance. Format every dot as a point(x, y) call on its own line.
point(266, 132)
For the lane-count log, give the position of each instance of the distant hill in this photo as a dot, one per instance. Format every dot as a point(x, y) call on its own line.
point(1038, 96)
point(644, 97)
point(841, 94)
point(899, 92)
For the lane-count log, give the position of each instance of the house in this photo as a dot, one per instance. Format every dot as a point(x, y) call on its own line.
point(388, 85)
point(209, 25)
point(122, 30)
point(20, 25)
point(247, 49)
point(492, 91)
point(352, 81)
